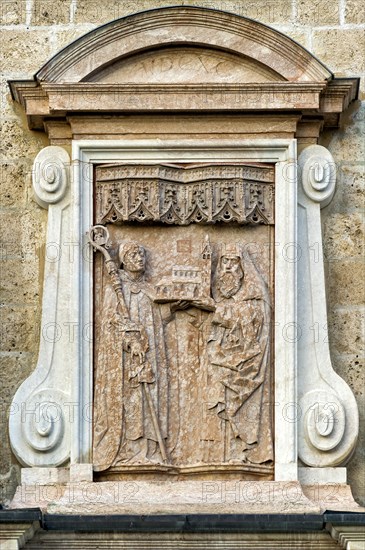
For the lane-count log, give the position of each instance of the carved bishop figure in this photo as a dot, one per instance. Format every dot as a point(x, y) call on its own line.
point(131, 386)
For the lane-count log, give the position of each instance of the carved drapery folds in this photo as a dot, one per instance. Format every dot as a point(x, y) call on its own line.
point(176, 195)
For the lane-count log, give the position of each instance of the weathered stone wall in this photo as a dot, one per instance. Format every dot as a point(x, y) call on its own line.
point(34, 30)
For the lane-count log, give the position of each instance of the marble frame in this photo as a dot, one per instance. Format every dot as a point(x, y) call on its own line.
point(282, 152)
point(50, 423)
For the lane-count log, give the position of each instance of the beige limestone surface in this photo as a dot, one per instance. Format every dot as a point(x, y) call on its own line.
point(168, 497)
point(190, 541)
point(175, 127)
point(33, 31)
point(184, 496)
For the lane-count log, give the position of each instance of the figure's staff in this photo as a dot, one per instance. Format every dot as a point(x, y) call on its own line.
point(99, 239)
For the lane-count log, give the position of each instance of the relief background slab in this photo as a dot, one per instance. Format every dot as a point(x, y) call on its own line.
point(195, 435)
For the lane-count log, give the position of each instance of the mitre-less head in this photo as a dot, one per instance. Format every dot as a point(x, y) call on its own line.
point(132, 257)
point(230, 271)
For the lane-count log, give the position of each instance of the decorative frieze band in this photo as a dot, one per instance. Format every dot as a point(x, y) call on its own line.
point(183, 195)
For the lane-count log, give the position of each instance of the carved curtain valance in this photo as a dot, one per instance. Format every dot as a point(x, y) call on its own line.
point(183, 195)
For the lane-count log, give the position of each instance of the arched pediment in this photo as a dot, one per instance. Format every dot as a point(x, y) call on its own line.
point(178, 27)
point(184, 58)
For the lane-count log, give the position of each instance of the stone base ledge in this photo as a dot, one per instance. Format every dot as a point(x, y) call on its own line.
point(348, 537)
point(195, 531)
point(322, 476)
point(188, 541)
point(184, 497)
point(15, 535)
point(44, 476)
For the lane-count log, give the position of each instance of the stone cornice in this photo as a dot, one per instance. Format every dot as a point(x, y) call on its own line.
point(284, 76)
point(49, 100)
point(338, 94)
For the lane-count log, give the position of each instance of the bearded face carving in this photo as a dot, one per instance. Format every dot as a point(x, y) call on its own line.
point(231, 275)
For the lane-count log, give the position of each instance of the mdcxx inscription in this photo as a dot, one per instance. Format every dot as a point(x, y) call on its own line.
point(186, 64)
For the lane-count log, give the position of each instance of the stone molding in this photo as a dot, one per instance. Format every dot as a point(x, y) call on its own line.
point(16, 535)
point(288, 76)
point(38, 428)
point(319, 446)
point(327, 100)
point(348, 537)
point(329, 420)
point(203, 26)
point(183, 531)
point(87, 153)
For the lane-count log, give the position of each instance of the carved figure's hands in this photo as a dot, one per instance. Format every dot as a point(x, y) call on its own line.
point(119, 322)
point(186, 304)
point(203, 305)
point(180, 305)
point(136, 351)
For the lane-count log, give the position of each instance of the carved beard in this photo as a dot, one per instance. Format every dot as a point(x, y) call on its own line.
point(230, 283)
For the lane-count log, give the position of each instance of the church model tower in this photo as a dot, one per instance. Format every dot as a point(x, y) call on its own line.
point(187, 282)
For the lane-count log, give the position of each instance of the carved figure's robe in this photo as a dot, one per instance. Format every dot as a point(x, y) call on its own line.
point(121, 411)
point(238, 373)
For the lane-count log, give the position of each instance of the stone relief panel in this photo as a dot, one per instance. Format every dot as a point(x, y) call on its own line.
point(183, 340)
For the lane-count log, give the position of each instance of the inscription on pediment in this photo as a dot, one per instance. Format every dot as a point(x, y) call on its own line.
point(169, 65)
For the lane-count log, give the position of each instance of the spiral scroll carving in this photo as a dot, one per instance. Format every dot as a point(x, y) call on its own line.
point(43, 422)
point(324, 423)
point(318, 174)
point(50, 175)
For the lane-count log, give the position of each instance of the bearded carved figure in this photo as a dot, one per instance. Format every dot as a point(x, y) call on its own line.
point(239, 356)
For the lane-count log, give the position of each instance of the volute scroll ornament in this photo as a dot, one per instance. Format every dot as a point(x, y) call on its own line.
point(324, 423)
point(40, 423)
point(329, 419)
point(50, 175)
point(318, 174)
point(43, 425)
